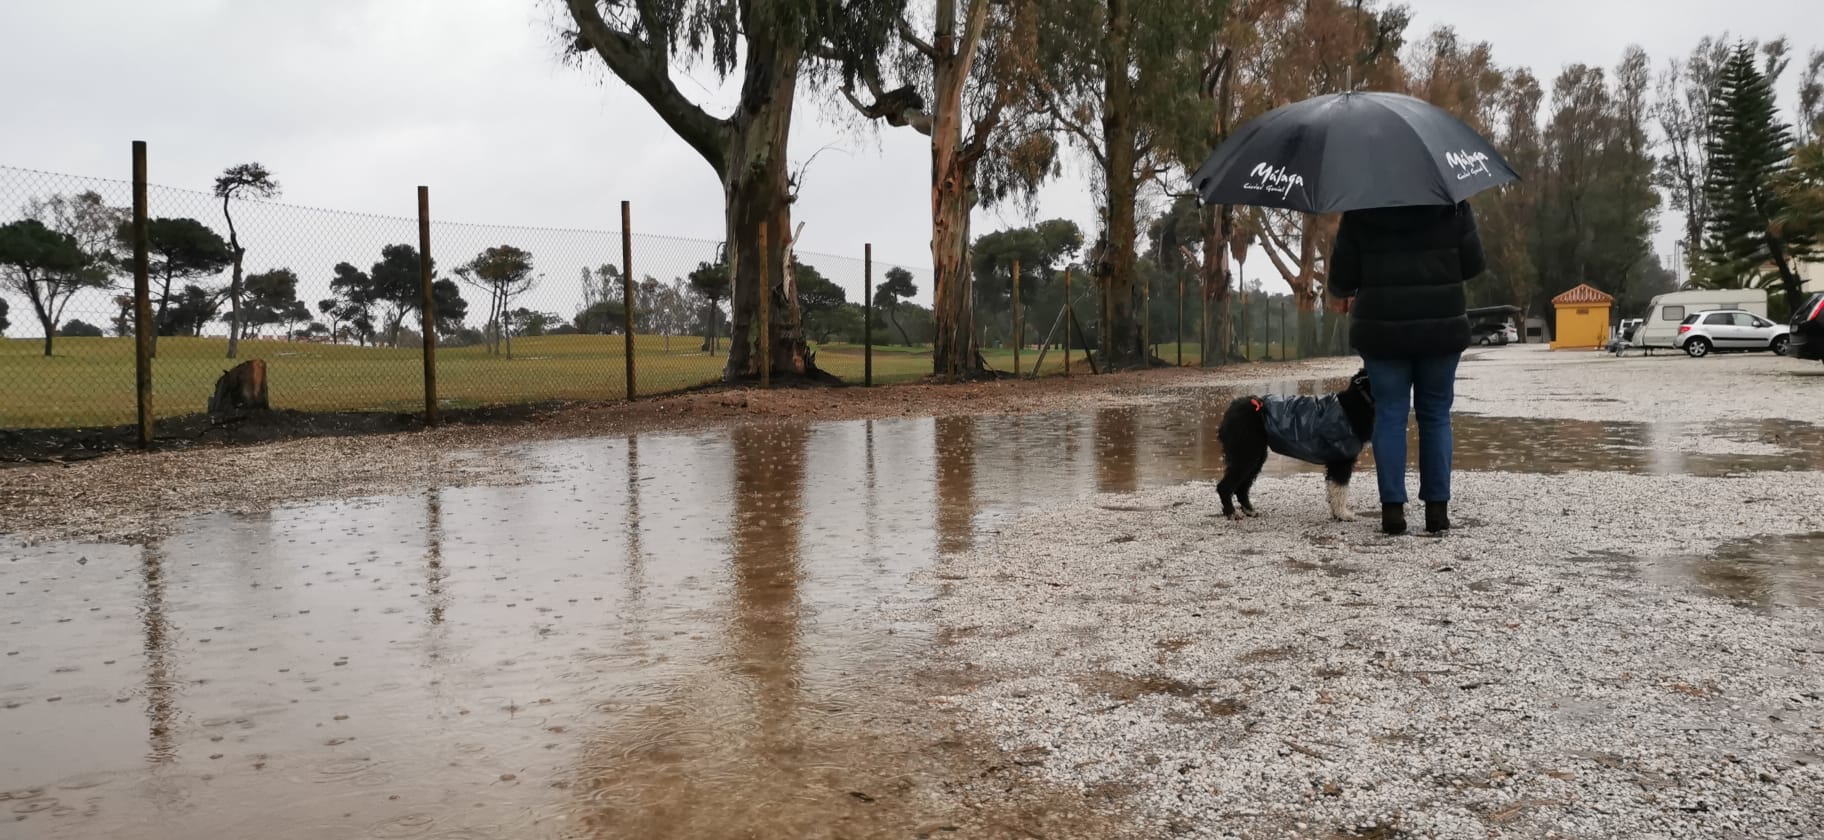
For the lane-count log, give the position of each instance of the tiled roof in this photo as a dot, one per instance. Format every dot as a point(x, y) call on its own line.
point(1584, 293)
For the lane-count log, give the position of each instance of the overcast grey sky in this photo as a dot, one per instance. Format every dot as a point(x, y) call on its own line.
point(354, 102)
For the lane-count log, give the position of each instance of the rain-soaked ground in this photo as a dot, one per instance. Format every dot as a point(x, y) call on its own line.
point(670, 635)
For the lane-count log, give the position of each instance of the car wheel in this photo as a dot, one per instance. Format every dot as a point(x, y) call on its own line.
point(1485, 341)
point(1779, 345)
point(1697, 347)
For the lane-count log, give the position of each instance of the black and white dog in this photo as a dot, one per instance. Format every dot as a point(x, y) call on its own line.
point(1329, 430)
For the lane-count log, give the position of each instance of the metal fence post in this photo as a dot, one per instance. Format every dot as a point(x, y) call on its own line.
point(427, 303)
point(1016, 319)
point(766, 292)
point(627, 286)
point(867, 315)
point(1179, 335)
point(142, 298)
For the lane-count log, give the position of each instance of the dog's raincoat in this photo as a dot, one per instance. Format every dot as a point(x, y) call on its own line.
point(1311, 429)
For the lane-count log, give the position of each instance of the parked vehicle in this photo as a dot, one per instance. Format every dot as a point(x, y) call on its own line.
point(1667, 312)
point(1493, 334)
point(1625, 331)
point(1724, 330)
point(1807, 336)
point(1494, 325)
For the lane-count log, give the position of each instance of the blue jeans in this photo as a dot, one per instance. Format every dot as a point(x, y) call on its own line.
point(1427, 386)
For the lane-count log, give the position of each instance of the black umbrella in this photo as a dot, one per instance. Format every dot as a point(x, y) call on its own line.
point(1349, 151)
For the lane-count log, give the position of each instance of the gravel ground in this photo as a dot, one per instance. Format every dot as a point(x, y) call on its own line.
point(1544, 671)
point(1531, 381)
point(1293, 677)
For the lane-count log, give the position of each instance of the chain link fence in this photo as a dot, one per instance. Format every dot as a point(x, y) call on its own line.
point(332, 303)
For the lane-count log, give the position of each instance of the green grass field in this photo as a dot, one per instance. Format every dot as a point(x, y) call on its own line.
point(89, 382)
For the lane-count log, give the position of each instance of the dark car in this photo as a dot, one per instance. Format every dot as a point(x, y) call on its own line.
point(1808, 330)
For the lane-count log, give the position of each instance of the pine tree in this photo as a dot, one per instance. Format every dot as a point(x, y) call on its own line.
point(1745, 242)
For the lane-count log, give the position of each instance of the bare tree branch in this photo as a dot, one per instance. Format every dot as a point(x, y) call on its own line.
point(1274, 243)
point(901, 106)
point(1060, 122)
point(910, 36)
point(644, 66)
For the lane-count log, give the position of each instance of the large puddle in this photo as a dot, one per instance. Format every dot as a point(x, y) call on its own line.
point(677, 635)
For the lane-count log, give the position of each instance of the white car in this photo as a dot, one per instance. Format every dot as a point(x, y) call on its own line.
point(1720, 330)
point(1495, 334)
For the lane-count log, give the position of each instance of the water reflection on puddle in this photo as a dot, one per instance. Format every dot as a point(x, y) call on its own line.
point(666, 635)
point(1767, 572)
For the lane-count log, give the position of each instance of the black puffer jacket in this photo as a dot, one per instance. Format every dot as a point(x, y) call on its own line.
point(1405, 268)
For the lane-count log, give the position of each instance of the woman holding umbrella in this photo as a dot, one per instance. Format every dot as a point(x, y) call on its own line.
point(1400, 171)
point(1405, 268)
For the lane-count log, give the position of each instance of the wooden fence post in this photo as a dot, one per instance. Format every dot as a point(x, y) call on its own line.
point(867, 315)
point(428, 304)
point(1016, 319)
point(627, 287)
point(142, 298)
point(1266, 344)
point(1146, 321)
point(1068, 349)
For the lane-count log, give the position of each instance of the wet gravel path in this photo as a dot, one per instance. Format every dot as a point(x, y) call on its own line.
point(1586, 655)
point(1533, 674)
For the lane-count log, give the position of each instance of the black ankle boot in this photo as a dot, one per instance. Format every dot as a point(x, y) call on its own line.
point(1437, 517)
point(1393, 519)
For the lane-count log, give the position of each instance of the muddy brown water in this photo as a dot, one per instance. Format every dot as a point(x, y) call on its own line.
point(670, 635)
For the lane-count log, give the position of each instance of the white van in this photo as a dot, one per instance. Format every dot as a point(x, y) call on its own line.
point(1666, 312)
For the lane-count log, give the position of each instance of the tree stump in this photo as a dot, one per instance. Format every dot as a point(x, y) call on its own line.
point(240, 389)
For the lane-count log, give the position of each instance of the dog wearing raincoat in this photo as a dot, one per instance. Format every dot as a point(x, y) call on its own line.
point(1330, 430)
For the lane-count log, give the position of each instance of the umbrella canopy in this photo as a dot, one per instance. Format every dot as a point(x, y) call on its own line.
point(1351, 151)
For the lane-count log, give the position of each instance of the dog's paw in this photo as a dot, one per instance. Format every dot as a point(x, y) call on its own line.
point(1345, 516)
point(1250, 513)
point(1235, 516)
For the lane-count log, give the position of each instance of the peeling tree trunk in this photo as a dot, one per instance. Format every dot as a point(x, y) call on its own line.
point(1219, 227)
point(1302, 275)
point(954, 352)
point(1123, 348)
point(747, 150)
point(757, 193)
point(1120, 135)
point(1218, 284)
point(1306, 302)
